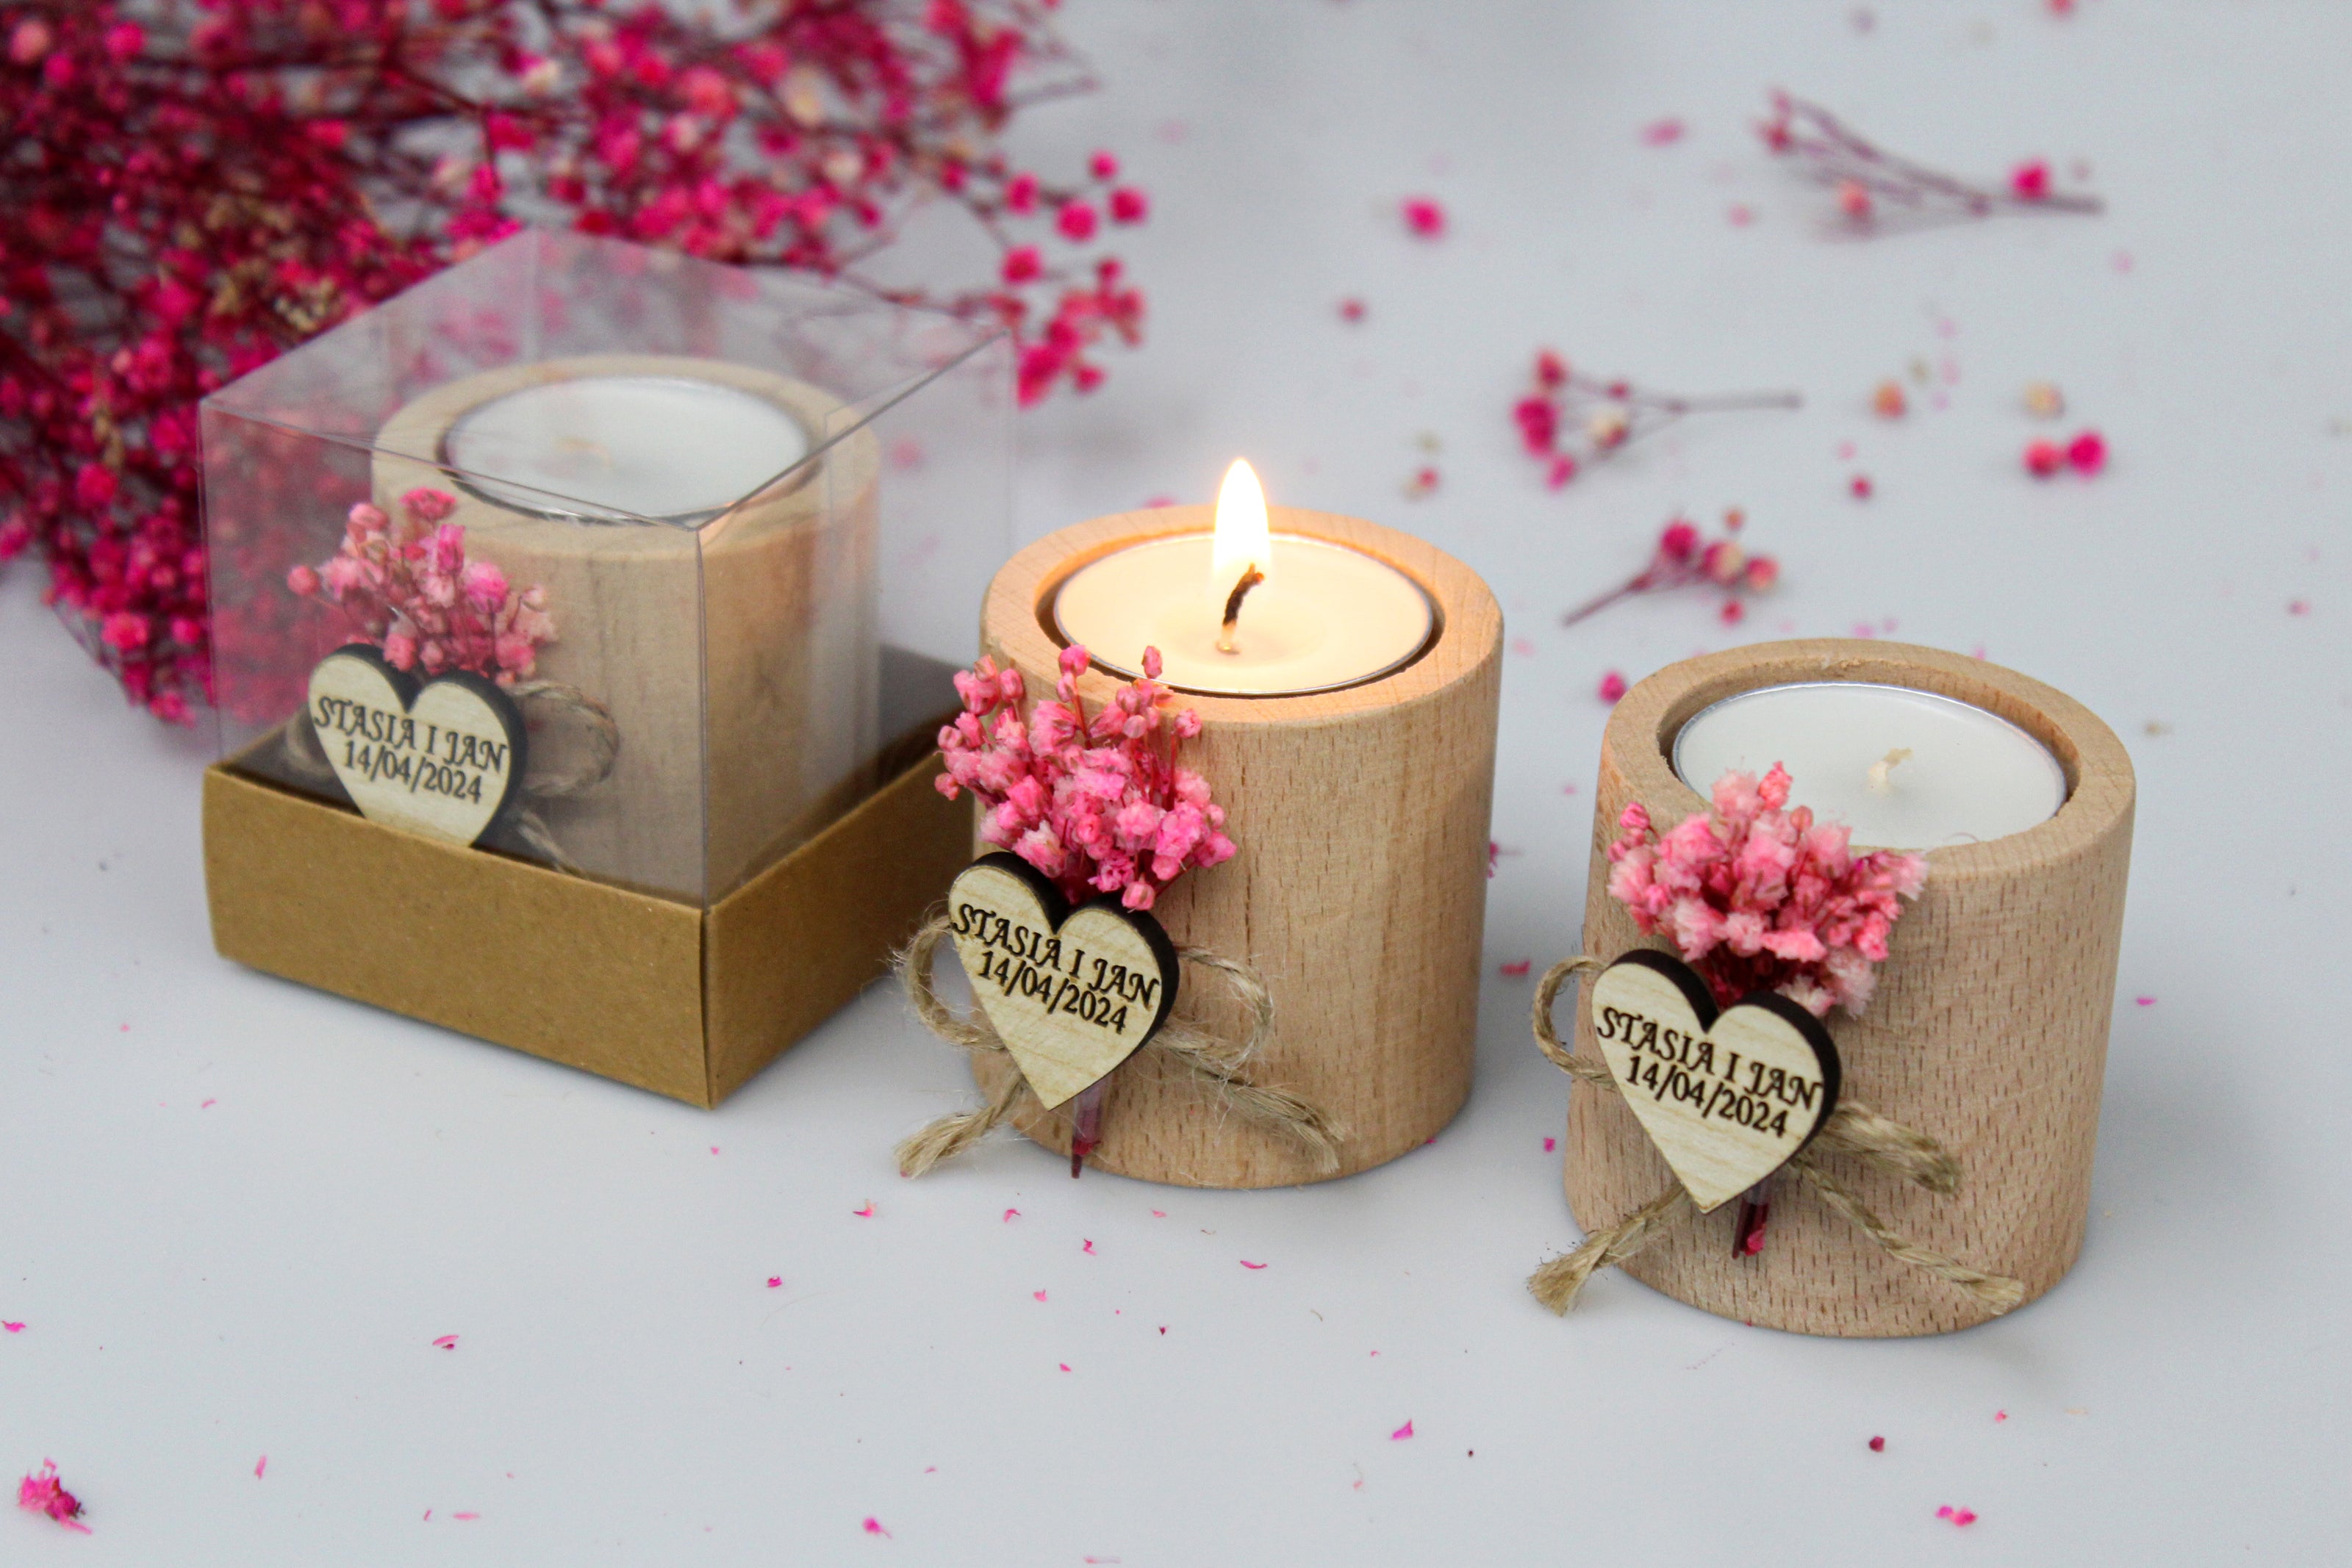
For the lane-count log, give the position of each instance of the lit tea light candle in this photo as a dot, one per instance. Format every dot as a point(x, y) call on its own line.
point(1319, 615)
point(1905, 769)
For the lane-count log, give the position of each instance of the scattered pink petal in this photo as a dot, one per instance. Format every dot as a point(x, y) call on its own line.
point(1845, 450)
point(260, 1467)
point(2299, 607)
point(1663, 132)
point(465, 1516)
point(775, 1281)
point(1037, 1295)
point(1878, 1445)
point(13, 1328)
point(1247, 1264)
point(40, 1493)
point(1998, 1416)
point(1611, 687)
point(1422, 483)
point(2145, 1001)
point(865, 1213)
point(1063, 1364)
point(1959, 1516)
point(1087, 1247)
point(1517, 971)
point(1551, 1144)
point(1423, 216)
point(429, 1516)
point(1011, 1215)
point(1523, 647)
point(1159, 1214)
point(207, 1104)
point(446, 1341)
point(2122, 261)
point(873, 1527)
point(1352, 308)
point(1157, 501)
point(1741, 215)
point(1401, 1433)
point(1861, 487)
point(714, 1149)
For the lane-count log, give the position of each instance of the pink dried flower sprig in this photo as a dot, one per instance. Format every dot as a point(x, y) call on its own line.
point(1569, 421)
point(1869, 182)
point(2086, 454)
point(1683, 557)
point(408, 588)
point(1099, 804)
point(41, 1492)
point(1757, 896)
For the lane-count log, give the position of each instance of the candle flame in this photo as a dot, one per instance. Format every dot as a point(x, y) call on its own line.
point(1243, 539)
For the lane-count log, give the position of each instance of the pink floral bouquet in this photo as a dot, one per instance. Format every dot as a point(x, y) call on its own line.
point(408, 588)
point(1098, 805)
point(1760, 897)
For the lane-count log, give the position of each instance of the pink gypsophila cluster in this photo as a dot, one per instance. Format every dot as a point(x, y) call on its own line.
point(1099, 804)
point(1760, 897)
point(1684, 557)
point(41, 1493)
point(408, 588)
point(1569, 420)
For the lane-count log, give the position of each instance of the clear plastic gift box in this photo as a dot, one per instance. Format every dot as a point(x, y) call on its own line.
point(719, 535)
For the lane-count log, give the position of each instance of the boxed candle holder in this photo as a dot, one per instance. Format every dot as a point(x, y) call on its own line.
point(582, 621)
point(1940, 1119)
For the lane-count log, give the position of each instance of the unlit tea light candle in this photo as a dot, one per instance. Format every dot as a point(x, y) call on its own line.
point(1905, 769)
point(665, 448)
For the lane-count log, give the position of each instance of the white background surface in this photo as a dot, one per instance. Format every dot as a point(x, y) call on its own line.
point(238, 1212)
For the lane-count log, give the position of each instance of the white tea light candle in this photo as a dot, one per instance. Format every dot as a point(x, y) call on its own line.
point(1326, 614)
point(669, 448)
point(1905, 769)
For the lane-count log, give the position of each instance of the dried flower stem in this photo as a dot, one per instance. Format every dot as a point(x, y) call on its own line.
point(1865, 175)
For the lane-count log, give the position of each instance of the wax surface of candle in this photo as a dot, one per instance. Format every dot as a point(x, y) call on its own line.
point(1969, 774)
point(667, 447)
point(1325, 616)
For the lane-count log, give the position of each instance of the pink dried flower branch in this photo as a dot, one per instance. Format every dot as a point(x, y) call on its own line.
point(1097, 804)
point(1569, 421)
point(1758, 897)
point(408, 588)
point(41, 1492)
point(1681, 557)
point(1866, 178)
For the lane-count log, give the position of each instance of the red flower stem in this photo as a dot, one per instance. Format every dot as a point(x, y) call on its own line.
point(1086, 1136)
point(1755, 1208)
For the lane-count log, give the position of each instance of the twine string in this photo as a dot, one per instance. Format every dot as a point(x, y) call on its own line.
point(307, 759)
point(1853, 1129)
point(1216, 1063)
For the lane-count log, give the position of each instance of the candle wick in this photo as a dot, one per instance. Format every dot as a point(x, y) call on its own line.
point(1882, 773)
point(1251, 577)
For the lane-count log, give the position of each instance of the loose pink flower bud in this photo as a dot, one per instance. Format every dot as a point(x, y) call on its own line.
point(2087, 452)
point(427, 505)
point(1023, 263)
point(1763, 571)
point(302, 581)
point(1612, 686)
point(1853, 199)
point(2043, 458)
point(1129, 205)
point(1423, 216)
point(1021, 194)
point(2031, 180)
point(1076, 220)
point(1888, 402)
point(1103, 166)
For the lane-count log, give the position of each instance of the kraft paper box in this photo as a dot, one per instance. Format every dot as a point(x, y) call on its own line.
point(683, 554)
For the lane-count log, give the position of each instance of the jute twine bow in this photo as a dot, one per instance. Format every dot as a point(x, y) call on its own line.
point(1853, 1128)
point(307, 757)
point(1216, 1064)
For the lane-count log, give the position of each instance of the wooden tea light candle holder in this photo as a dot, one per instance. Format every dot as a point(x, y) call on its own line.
point(1351, 742)
point(1987, 1031)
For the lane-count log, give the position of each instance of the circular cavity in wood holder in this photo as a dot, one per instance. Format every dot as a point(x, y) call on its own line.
point(1359, 889)
point(1989, 1031)
point(745, 645)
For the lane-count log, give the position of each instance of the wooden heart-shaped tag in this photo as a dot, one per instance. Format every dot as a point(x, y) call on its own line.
point(441, 758)
point(1071, 993)
point(1727, 1097)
